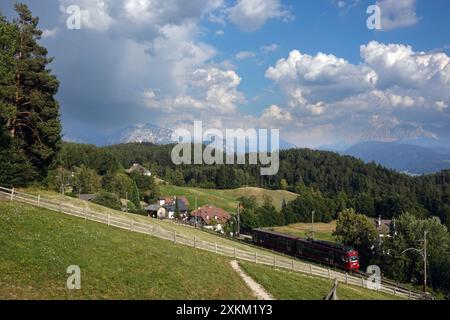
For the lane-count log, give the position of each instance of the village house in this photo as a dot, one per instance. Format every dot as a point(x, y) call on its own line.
point(383, 227)
point(167, 206)
point(210, 217)
point(139, 169)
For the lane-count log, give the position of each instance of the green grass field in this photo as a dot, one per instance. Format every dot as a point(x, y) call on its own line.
point(322, 231)
point(286, 285)
point(226, 199)
point(38, 245)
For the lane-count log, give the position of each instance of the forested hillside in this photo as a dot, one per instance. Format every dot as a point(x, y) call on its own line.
point(326, 181)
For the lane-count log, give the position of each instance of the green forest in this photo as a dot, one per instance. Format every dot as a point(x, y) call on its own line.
point(325, 180)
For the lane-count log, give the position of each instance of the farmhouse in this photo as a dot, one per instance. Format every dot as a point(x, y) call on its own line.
point(210, 217)
point(167, 207)
point(171, 201)
point(156, 211)
point(383, 227)
point(139, 169)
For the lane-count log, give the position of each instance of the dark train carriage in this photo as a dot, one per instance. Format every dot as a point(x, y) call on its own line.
point(275, 241)
point(321, 251)
point(327, 252)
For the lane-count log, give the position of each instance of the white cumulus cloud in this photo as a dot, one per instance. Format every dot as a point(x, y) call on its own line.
point(398, 13)
point(245, 55)
point(392, 82)
point(251, 15)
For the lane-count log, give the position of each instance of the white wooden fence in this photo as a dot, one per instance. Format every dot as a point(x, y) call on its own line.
point(151, 229)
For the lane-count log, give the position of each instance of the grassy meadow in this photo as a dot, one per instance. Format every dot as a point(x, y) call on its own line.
point(38, 245)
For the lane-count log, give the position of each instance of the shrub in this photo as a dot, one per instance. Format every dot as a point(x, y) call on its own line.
point(108, 199)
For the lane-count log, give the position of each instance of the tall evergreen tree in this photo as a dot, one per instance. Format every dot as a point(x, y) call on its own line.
point(15, 169)
point(135, 198)
point(30, 112)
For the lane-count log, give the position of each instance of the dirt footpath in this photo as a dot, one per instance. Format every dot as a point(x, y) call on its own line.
point(259, 292)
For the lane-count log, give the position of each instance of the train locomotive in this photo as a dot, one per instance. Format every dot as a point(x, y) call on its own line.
point(329, 253)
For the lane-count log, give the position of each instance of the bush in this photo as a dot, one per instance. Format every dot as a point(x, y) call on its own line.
point(121, 184)
point(86, 180)
point(108, 199)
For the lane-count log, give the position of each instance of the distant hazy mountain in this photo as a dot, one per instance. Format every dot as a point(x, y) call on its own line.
point(441, 150)
point(398, 133)
point(145, 133)
point(402, 157)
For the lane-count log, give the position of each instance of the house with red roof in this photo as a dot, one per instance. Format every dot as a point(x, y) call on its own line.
point(210, 217)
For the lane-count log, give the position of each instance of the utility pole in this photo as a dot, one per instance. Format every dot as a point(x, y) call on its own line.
point(423, 252)
point(312, 219)
point(239, 219)
point(425, 261)
point(195, 209)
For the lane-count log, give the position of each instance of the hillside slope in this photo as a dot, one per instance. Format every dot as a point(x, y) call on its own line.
point(38, 245)
point(227, 199)
point(322, 231)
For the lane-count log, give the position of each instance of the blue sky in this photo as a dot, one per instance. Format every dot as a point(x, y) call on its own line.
point(253, 63)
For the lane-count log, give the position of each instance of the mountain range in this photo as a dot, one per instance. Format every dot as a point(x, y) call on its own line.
point(407, 158)
point(147, 133)
point(142, 133)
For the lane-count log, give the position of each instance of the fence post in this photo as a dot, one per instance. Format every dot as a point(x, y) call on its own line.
point(293, 265)
point(346, 278)
point(215, 246)
point(195, 242)
point(60, 206)
point(362, 282)
point(109, 219)
point(256, 257)
point(39, 200)
point(310, 269)
point(274, 261)
point(12, 194)
point(175, 236)
point(409, 294)
point(234, 253)
point(395, 291)
point(329, 273)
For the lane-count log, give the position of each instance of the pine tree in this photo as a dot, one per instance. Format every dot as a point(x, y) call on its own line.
point(30, 112)
point(177, 209)
point(135, 199)
point(15, 169)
